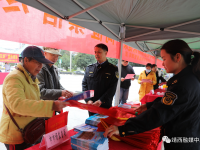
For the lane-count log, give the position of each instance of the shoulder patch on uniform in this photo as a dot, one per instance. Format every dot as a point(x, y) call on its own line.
point(175, 81)
point(169, 98)
point(117, 74)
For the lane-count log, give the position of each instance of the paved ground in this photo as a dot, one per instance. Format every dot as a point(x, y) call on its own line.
point(77, 116)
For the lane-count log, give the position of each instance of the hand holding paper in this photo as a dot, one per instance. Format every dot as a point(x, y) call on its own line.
point(59, 105)
point(146, 81)
point(122, 79)
point(67, 93)
point(97, 103)
point(129, 76)
point(82, 95)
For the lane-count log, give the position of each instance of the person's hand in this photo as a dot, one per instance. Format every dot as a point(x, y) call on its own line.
point(110, 131)
point(97, 103)
point(90, 102)
point(59, 105)
point(66, 94)
point(141, 109)
point(132, 78)
point(122, 79)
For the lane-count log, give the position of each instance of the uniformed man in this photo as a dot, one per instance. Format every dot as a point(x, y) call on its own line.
point(178, 111)
point(101, 77)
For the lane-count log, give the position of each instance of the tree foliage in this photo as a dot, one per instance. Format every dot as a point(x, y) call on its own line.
point(115, 62)
point(65, 60)
point(83, 60)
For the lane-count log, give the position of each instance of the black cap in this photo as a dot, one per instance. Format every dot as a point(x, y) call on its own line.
point(35, 53)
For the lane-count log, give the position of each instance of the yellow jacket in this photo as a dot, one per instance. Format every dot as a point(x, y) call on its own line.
point(21, 95)
point(145, 88)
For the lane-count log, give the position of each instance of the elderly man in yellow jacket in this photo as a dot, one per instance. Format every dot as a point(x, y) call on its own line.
point(147, 79)
point(21, 95)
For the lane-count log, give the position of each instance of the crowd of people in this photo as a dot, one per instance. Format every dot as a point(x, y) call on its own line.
point(32, 90)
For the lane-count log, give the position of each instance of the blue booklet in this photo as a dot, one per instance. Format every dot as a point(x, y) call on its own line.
point(85, 127)
point(89, 140)
point(82, 95)
point(95, 119)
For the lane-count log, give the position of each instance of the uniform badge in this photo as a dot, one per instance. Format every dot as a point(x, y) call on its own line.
point(175, 81)
point(169, 98)
point(117, 74)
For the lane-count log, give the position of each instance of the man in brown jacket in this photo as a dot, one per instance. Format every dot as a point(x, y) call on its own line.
point(50, 87)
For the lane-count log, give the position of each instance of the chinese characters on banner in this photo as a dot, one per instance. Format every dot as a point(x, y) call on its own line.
point(31, 26)
point(133, 55)
point(10, 58)
point(12, 8)
point(77, 28)
point(52, 20)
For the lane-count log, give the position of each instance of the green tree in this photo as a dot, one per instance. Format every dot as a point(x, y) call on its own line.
point(83, 60)
point(136, 65)
point(113, 61)
point(65, 59)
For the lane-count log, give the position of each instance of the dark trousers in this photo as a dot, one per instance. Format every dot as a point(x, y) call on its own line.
point(18, 146)
point(123, 95)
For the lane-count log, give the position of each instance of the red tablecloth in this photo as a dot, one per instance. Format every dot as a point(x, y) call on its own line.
point(151, 97)
point(159, 90)
point(113, 145)
point(2, 76)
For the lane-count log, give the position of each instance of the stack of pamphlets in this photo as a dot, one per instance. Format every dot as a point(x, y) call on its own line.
point(85, 127)
point(89, 141)
point(95, 119)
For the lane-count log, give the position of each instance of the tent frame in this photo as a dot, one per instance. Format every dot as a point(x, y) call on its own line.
point(121, 36)
point(155, 30)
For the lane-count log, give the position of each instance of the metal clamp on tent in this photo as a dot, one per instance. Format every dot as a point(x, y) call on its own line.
point(122, 32)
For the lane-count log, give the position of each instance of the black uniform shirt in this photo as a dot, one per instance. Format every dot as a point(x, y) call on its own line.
point(126, 70)
point(178, 111)
point(102, 78)
point(158, 79)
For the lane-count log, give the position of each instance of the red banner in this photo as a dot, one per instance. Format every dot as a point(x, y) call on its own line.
point(133, 55)
point(10, 58)
point(24, 24)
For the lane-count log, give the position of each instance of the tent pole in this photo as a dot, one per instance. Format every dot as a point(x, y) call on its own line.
point(119, 70)
point(155, 59)
point(122, 37)
point(70, 60)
